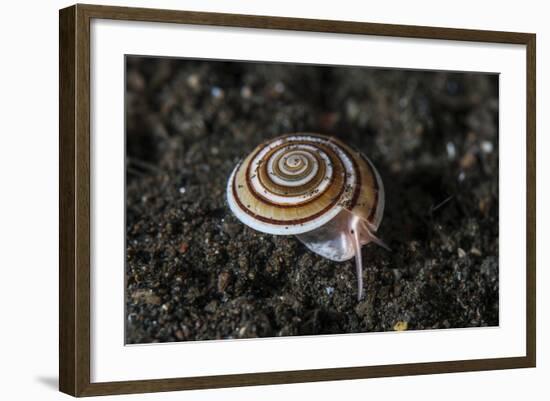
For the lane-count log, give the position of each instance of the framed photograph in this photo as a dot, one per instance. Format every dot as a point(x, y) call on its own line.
point(250, 200)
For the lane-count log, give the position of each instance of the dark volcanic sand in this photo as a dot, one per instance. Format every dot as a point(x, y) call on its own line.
point(194, 272)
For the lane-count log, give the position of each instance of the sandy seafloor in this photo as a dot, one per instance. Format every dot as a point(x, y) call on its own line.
point(194, 272)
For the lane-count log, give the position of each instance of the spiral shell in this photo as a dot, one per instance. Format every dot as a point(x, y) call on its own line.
point(297, 183)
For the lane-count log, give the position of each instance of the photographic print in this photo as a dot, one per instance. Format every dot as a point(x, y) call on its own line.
point(360, 196)
point(277, 199)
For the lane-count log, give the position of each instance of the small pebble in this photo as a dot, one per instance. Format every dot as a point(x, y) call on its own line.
point(232, 229)
point(185, 330)
point(484, 205)
point(193, 81)
point(182, 190)
point(246, 92)
point(147, 296)
point(136, 81)
point(467, 160)
point(486, 147)
point(397, 274)
point(211, 306)
point(401, 325)
point(279, 87)
point(461, 253)
point(183, 247)
point(216, 92)
point(223, 281)
point(352, 110)
point(451, 150)
point(475, 251)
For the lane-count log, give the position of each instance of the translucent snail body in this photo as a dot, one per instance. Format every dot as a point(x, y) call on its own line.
point(315, 187)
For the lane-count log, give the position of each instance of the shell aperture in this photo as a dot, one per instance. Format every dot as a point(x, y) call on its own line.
point(315, 187)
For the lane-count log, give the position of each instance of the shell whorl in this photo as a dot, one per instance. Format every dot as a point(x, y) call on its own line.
point(296, 183)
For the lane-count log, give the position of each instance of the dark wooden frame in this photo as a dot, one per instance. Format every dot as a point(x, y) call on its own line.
point(74, 202)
